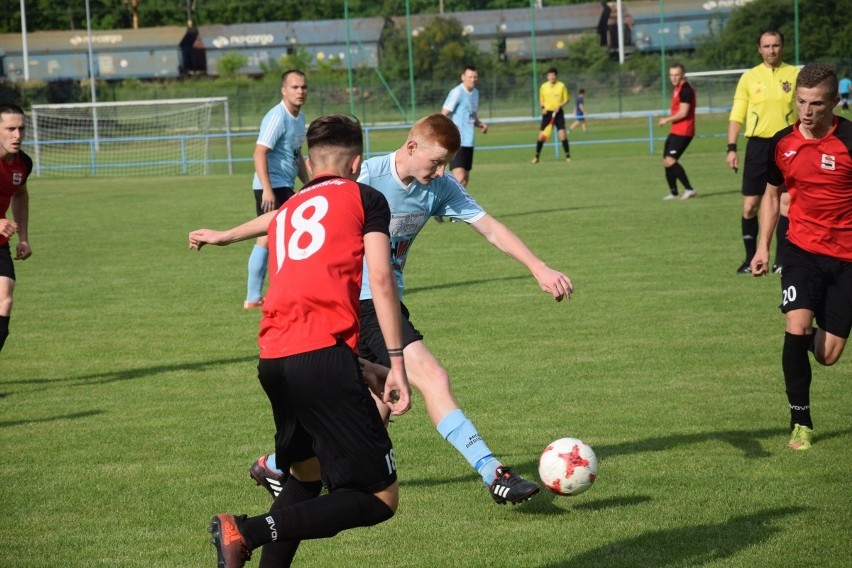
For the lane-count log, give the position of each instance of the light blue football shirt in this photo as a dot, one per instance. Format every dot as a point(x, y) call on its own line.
point(463, 106)
point(283, 134)
point(411, 208)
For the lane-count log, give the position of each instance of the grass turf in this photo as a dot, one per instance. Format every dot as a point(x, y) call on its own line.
point(131, 411)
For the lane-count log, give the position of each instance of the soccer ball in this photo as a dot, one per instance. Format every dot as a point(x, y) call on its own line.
point(568, 466)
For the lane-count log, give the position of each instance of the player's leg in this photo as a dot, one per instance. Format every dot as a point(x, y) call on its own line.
point(259, 256)
point(781, 234)
point(7, 288)
point(462, 164)
point(834, 315)
point(539, 144)
point(753, 187)
point(559, 125)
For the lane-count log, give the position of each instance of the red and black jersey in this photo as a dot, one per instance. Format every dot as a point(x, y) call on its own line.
point(316, 255)
point(818, 174)
point(684, 93)
point(13, 175)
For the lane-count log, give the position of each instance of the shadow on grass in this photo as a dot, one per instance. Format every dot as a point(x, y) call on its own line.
point(545, 211)
point(122, 374)
point(688, 546)
point(415, 289)
point(74, 416)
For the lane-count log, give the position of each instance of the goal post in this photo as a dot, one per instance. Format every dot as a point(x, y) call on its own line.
point(157, 137)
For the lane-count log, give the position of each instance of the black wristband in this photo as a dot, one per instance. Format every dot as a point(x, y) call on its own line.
point(732, 147)
point(395, 352)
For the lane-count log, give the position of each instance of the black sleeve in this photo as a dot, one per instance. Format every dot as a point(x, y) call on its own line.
point(376, 210)
point(844, 133)
point(28, 161)
point(687, 94)
point(773, 173)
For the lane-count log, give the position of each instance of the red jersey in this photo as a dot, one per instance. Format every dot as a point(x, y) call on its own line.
point(13, 175)
point(684, 93)
point(316, 256)
point(818, 174)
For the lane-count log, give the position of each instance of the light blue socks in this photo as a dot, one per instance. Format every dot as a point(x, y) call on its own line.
point(462, 434)
point(256, 273)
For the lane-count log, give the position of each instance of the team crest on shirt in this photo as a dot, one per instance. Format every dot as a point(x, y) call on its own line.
point(786, 86)
point(17, 178)
point(828, 162)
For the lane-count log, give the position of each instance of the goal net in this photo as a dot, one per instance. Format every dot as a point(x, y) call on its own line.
point(165, 137)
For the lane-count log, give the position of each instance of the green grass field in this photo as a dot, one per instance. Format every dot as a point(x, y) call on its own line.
point(131, 410)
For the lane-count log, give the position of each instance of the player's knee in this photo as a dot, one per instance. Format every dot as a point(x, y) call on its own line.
point(5, 306)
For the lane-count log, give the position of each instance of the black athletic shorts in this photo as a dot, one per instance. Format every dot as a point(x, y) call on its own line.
point(756, 163)
point(463, 158)
point(821, 284)
point(282, 194)
point(323, 408)
point(558, 122)
point(676, 145)
point(371, 344)
point(7, 267)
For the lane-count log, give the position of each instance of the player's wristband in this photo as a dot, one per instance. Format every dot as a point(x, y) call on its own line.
point(395, 352)
point(732, 147)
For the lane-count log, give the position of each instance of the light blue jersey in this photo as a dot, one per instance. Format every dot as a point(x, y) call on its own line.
point(845, 86)
point(411, 208)
point(283, 134)
point(463, 106)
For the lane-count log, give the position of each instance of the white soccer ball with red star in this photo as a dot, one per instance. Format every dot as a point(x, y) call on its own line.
point(568, 466)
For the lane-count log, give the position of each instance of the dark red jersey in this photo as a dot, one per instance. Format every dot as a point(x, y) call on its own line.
point(316, 255)
point(818, 174)
point(13, 175)
point(684, 93)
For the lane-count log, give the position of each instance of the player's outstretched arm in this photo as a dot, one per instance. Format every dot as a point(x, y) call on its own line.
point(257, 227)
point(770, 206)
point(21, 213)
point(397, 392)
point(551, 281)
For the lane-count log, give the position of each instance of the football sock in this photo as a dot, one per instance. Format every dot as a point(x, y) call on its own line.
point(4, 330)
point(565, 147)
point(681, 176)
point(282, 552)
point(256, 273)
point(322, 517)
point(781, 239)
point(270, 463)
point(538, 146)
point(671, 179)
point(462, 434)
point(750, 237)
point(797, 377)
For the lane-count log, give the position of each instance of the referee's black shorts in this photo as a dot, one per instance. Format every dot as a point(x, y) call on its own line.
point(558, 122)
point(323, 408)
point(756, 163)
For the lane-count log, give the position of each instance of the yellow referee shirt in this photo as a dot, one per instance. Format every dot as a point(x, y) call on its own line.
point(765, 100)
point(551, 97)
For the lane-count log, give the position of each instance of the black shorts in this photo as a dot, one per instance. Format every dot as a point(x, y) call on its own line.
point(371, 344)
point(282, 194)
point(821, 284)
point(7, 267)
point(676, 145)
point(323, 408)
point(463, 158)
point(756, 163)
point(558, 122)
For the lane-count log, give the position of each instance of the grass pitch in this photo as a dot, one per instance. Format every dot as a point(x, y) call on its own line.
point(131, 411)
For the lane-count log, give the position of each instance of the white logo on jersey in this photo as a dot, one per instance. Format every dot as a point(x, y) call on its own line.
point(828, 162)
point(17, 178)
point(789, 153)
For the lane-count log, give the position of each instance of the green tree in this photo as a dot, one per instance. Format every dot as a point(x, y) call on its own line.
point(230, 63)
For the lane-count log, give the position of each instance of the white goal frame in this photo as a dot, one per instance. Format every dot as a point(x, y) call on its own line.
point(91, 118)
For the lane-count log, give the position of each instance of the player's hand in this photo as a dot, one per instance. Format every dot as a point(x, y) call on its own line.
point(23, 251)
point(267, 201)
point(483, 127)
point(555, 283)
point(201, 237)
point(374, 375)
point(732, 161)
point(7, 228)
point(397, 393)
point(760, 263)
point(662, 122)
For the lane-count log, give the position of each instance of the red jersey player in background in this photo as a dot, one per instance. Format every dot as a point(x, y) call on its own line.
point(15, 167)
point(323, 411)
point(812, 157)
point(682, 120)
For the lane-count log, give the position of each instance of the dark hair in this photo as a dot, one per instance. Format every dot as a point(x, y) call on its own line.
point(678, 66)
point(770, 32)
point(582, 91)
point(551, 70)
point(336, 131)
point(815, 74)
point(469, 68)
point(9, 108)
point(438, 129)
point(289, 72)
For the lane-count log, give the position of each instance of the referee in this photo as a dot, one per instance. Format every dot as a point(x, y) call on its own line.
point(764, 102)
